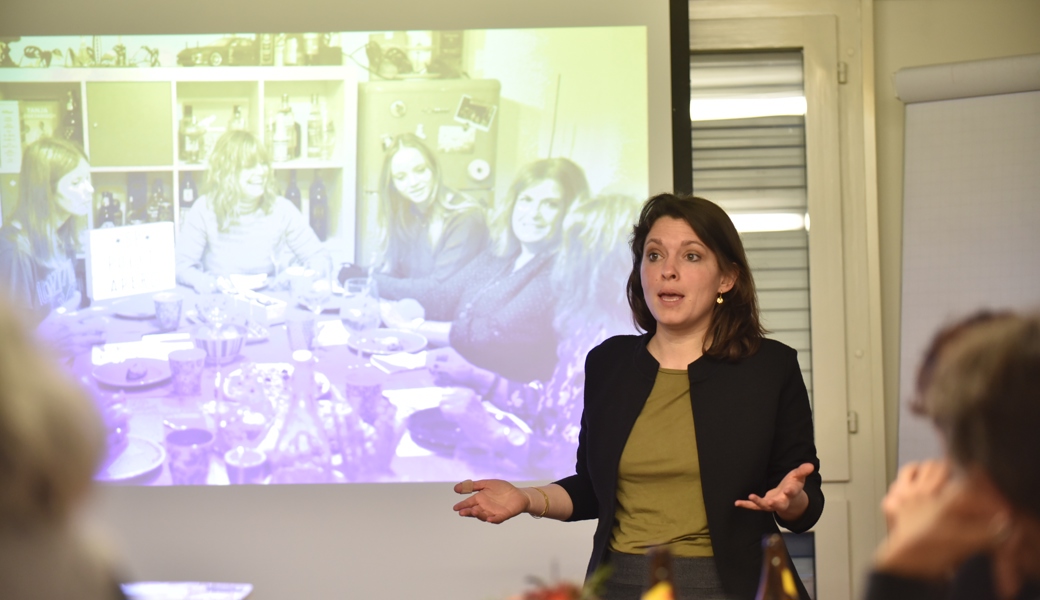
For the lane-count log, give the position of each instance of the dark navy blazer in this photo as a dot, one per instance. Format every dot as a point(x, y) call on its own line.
point(754, 425)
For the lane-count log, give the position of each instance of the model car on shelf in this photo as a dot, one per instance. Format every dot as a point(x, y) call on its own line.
point(225, 51)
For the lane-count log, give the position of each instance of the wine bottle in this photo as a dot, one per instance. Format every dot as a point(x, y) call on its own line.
point(190, 134)
point(295, 140)
point(158, 207)
point(116, 212)
point(292, 191)
point(330, 140)
point(661, 583)
point(311, 47)
point(71, 125)
point(319, 207)
point(292, 50)
point(315, 129)
point(267, 49)
point(163, 203)
point(104, 212)
point(284, 124)
point(189, 192)
point(777, 580)
point(136, 198)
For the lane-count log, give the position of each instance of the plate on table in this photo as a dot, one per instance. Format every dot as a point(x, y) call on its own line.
point(430, 429)
point(387, 341)
point(139, 308)
point(140, 458)
point(266, 379)
point(133, 372)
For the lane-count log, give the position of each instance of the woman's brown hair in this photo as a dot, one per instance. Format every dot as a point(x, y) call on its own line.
point(981, 391)
point(736, 331)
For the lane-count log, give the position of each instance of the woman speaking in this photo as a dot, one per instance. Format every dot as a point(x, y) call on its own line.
point(696, 435)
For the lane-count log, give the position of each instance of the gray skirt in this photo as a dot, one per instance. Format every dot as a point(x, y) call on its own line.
point(694, 578)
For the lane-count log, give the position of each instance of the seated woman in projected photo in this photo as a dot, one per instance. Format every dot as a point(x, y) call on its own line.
point(38, 243)
point(503, 303)
point(431, 230)
point(591, 270)
point(240, 225)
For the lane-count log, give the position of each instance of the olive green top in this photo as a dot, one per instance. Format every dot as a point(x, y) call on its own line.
point(659, 498)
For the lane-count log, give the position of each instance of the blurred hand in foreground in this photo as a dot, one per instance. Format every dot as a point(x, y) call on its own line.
point(937, 521)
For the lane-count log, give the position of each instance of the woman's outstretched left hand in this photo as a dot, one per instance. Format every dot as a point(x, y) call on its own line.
point(788, 499)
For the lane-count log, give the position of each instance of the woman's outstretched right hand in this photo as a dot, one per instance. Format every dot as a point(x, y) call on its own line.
point(493, 500)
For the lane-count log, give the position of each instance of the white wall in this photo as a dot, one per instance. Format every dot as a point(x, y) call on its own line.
point(909, 33)
point(364, 541)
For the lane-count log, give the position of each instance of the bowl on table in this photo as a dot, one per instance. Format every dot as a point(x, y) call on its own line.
point(222, 344)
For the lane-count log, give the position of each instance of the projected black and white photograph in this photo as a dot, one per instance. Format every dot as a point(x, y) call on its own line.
point(299, 258)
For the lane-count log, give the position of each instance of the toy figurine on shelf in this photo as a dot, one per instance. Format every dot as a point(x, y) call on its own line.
point(5, 52)
point(41, 57)
point(120, 51)
point(83, 58)
point(153, 55)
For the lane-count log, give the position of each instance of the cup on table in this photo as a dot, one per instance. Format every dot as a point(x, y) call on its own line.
point(186, 369)
point(301, 329)
point(364, 389)
point(245, 465)
point(187, 455)
point(168, 310)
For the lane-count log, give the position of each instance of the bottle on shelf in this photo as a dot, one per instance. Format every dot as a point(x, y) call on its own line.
point(163, 202)
point(136, 198)
point(105, 213)
point(238, 119)
point(116, 211)
point(191, 136)
point(319, 207)
point(315, 130)
point(311, 48)
point(292, 191)
point(71, 125)
point(188, 193)
point(777, 580)
point(136, 212)
point(267, 49)
point(295, 140)
point(284, 128)
point(330, 140)
point(279, 50)
point(292, 50)
point(159, 207)
point(303, 453)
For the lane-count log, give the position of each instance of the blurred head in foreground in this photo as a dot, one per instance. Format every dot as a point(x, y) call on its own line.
point(51, 442)
point(51, 438)
point(980, 384)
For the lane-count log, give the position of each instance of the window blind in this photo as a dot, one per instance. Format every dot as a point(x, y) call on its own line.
point(755, 165)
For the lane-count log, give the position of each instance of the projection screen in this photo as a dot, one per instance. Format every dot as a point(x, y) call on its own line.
point(439, 218)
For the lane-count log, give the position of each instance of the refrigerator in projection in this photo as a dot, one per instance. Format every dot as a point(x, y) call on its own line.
point(456, 119)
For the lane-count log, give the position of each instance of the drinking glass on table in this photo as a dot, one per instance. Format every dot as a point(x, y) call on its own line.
point(360, 308)
point(215, 307)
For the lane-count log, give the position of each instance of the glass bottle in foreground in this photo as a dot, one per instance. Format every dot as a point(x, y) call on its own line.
point(777, 581)
point(302, 454)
